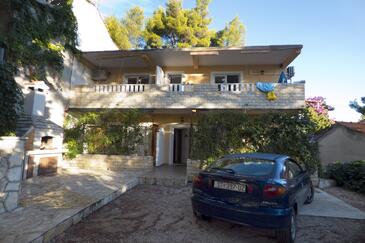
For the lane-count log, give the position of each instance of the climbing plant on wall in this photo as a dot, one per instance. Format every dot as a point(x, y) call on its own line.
point(107, 132)
point(34, 35)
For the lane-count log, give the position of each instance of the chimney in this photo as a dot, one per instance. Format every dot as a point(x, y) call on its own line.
point(35, 100)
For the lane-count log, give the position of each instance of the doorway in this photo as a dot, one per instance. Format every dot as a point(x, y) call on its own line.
point(181, 146)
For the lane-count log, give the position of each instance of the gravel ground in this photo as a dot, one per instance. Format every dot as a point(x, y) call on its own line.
point(163, 214)
point(355, 199)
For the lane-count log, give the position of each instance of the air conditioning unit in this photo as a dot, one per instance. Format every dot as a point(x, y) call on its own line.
point(99, 75)
point(290, 72)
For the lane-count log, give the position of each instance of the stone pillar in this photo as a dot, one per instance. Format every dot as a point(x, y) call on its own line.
point(11, 168)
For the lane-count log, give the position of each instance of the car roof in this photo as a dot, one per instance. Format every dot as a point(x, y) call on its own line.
point(266, 156)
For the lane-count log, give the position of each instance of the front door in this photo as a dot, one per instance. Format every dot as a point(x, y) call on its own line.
point(181, 145)
point(178, 146)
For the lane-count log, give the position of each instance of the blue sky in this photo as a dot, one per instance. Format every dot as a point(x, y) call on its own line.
point(332, 31)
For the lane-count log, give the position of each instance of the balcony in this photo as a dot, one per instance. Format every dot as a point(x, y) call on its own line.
point(185, 96)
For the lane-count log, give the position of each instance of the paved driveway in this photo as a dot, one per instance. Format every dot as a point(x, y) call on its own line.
point(163, 214)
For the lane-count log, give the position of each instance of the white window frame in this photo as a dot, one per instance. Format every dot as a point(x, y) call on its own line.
point(127, 75)
point(225, 73)
point(175, 72)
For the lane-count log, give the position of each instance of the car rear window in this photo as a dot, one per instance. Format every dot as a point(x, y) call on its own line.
point(246, 166)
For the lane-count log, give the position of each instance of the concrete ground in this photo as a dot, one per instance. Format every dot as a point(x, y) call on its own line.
point(49, 205)
point(326, 205)
point(163, 214)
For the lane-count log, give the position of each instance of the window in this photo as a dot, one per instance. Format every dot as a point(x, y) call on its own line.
point(175, 78)
point(229, 78)
point(291, 170)
point(245, 166)
point(138, 79)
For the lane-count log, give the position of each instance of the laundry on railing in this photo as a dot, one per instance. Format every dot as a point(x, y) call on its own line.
point(268, 89)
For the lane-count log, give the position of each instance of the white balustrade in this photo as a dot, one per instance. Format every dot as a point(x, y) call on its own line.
point(236, 87)
point(177, 87)
point(119, 88)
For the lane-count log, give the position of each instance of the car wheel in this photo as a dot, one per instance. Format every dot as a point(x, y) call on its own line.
point(288, 235)
point(310, 196)
point(201, 216)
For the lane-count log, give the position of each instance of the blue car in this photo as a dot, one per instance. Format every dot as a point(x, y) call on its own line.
point(257, 189)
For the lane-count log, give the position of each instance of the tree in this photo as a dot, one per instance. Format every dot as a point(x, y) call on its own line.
point(177, 27)
point(133, 22)
point(231, 35)
point(127, 32)
point(317, 111)
point(117, 32)
point(359, 108)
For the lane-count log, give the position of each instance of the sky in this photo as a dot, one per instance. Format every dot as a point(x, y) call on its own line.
point(332, 32)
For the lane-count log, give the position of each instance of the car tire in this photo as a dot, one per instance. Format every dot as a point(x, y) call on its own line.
point(310, 196)
point(288, 235)
point(201, 216)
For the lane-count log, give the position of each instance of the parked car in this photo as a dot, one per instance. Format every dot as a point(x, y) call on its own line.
point(257, 189)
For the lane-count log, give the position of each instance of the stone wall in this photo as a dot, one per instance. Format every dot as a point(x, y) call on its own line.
point(192, 168)
point(203, 96)
point(110, 162)
point(11, 167)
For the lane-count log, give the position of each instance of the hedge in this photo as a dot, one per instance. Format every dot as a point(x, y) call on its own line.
point(349, 175)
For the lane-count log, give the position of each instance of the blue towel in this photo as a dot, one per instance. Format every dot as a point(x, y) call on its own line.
point(282, 78)
point(265, 87)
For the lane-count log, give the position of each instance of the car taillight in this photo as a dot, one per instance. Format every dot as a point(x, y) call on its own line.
point(273, 191)
point(198, 181)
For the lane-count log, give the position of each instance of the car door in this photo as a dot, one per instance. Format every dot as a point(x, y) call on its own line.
point(294, 176)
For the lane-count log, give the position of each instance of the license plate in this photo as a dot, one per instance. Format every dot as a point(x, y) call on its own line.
point(230, 186)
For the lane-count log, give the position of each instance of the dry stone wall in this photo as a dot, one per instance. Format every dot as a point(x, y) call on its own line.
point(11, 167)
point(110, 162)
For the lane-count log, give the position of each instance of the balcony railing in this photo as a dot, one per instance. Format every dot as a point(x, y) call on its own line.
point(135, 88)
point(186, 96)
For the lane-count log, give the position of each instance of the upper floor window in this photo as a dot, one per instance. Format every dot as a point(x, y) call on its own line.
point(175, 78)
point(226, 78)
point(138, 79)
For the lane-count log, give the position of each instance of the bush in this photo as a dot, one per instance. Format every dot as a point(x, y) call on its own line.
point(107, 132)
point(350, 175)
point(224, 132)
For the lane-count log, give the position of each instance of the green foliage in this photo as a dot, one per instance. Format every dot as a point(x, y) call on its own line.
point(108, 132)
point(117, 32)
point(232, 35)
point(127, 32)
point(317, 111)
point(359, 108)
point(173, 27)
point(133, 23)
point(320, 121)
point(11, 100)
point(350, 175)
point(38, 33)
point(34, 35)
point(220, 133)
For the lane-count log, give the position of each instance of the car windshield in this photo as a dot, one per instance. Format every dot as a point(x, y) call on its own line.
point(244, 166)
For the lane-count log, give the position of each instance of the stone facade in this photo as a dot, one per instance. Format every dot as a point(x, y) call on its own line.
point(200, 96)
point(11, 167)
point(110, 162)
point(192, 168)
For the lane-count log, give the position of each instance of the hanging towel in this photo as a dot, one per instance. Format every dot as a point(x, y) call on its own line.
point(282, 78)
point(265, 87)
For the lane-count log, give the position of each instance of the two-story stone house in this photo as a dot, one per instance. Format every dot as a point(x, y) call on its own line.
point(171, 86)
